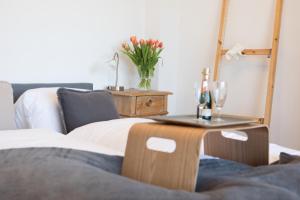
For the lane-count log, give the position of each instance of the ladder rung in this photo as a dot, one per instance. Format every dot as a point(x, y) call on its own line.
point(261, 52)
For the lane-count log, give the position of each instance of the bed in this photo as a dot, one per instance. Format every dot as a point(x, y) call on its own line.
point(86, 164)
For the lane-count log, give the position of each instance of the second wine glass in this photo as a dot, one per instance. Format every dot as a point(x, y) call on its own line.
point(219, 94)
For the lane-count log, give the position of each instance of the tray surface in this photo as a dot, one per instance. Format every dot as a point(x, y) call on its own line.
point(191, 120)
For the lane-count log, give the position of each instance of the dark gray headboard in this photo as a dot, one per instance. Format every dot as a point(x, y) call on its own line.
point(20, 88)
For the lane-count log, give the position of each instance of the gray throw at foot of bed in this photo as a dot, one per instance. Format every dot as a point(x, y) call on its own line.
point(52, 173)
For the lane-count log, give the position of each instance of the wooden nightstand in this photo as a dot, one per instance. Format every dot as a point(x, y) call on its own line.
point(138, 103)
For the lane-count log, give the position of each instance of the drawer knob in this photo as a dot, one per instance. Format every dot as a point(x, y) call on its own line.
point(149, 103)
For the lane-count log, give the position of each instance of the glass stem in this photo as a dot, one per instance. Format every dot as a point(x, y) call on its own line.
point(218, 112)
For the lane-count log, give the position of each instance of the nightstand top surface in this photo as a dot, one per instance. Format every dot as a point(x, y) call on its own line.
point(136, 92)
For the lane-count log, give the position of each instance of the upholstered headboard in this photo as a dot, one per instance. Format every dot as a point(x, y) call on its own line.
point(19, 89)
point(7, 111)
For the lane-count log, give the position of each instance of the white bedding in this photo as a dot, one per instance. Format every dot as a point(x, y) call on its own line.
point(108, 137)
point(112, 134)
point(44, 138)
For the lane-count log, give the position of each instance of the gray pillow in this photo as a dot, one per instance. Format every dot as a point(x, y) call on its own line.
point(286, 158)
point(84, 107)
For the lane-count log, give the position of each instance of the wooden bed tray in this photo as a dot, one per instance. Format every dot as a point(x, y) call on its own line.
point(179, 169)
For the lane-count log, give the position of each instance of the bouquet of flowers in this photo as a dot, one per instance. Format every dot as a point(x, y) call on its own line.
point(145, 54)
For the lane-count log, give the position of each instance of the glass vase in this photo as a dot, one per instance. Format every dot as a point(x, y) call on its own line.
point(145, 83)
point(145, 77)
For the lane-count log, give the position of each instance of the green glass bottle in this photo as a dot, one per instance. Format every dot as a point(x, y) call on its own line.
point(205, 98)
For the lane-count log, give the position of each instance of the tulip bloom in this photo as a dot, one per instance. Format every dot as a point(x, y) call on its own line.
point(126, 46)
point(161, 45)
point(156, 44)
point(142, 42)
point(133, 40)
point(150, 42)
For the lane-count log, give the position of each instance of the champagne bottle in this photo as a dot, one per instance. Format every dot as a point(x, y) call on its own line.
point(205, 98)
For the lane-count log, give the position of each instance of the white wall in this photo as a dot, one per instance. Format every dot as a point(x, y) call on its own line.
point(162, 21)
point(190, 28)
point(66, 40)
point(70, 40)
point(286, 118)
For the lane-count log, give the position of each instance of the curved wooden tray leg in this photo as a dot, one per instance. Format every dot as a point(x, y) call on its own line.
point(254, 151)
point(177, 170)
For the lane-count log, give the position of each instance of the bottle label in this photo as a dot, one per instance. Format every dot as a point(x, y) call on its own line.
point(206, 113)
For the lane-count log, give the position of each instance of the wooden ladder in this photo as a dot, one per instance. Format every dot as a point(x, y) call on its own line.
point(270, 53)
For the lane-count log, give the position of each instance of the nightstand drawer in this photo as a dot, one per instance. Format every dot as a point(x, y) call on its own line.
point(137, 103)
point(150, 105)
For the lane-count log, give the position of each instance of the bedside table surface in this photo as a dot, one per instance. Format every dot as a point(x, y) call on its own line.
point(136, 93)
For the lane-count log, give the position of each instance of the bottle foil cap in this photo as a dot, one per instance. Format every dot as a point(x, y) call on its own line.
point(206, 71)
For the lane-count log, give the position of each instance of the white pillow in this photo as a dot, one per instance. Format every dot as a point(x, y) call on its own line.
point(39, 109)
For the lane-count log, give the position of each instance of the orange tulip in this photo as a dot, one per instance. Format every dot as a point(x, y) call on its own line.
point(150, 42)
point(161, 45)
point(125, 46)
point(142, 42)
point(134, 40)
point(156, 43)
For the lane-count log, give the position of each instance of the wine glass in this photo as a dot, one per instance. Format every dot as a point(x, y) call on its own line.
point(219, 95)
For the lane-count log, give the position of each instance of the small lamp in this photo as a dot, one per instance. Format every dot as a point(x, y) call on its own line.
point(116, 87)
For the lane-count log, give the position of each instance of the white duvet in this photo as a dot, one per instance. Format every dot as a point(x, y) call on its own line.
point(111, 134)
point(44, 138)
point(109, 137)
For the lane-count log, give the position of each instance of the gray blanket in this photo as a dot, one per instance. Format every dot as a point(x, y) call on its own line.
point(43, 173)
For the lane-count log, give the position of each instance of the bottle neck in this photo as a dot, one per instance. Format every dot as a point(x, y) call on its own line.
point(205, 77)
point(205, 83)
